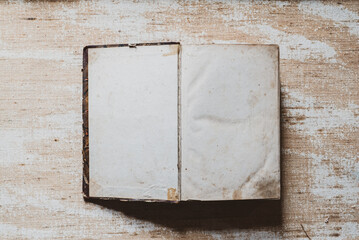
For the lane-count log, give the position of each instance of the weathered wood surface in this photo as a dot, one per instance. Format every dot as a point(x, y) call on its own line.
point(40, 118)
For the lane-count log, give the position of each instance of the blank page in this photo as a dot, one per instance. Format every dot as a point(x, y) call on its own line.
point(230, 122)
point(133, 146)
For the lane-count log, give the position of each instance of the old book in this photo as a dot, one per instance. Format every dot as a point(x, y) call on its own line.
point(172, 122)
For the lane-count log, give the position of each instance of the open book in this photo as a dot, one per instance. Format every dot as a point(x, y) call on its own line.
point(172, 122)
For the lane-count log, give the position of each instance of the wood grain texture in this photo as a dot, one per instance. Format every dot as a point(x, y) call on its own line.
point(41, 124)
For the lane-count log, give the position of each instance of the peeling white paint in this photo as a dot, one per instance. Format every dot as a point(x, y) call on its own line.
point(25, 198)
point(65, 127)
point(318, 115)
point(252, 234)
point(338, 14)
point(27, 139)
point(326, 181)
point(43, 54)
point(292, 46)
point(11, 231)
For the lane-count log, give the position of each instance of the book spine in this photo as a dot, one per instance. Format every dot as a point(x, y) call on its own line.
point(179, 164)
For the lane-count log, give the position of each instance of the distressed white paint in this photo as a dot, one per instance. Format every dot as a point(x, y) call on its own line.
point(52, 55)
point(338, 14)
point(45, 85)
point(293, 46)
point(327, 117)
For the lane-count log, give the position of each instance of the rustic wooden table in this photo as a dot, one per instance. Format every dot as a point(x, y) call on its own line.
point(40, 118)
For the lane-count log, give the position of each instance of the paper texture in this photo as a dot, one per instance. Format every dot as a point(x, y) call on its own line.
point(133, 143)
point(230, 122)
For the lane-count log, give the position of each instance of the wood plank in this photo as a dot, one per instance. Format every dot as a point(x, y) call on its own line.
point(41, 46)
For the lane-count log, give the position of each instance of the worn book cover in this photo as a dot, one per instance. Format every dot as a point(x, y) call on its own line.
point(173, 122)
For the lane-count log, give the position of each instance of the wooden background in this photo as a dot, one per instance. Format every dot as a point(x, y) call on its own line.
point(40, 118)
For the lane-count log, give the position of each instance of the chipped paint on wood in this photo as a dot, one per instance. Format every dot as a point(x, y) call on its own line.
point(40, 61)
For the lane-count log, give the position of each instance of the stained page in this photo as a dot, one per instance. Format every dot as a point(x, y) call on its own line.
point(133, 146)
point(230, 122)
